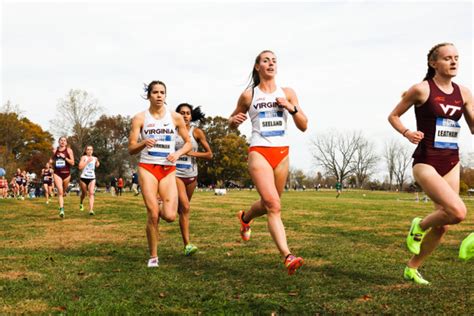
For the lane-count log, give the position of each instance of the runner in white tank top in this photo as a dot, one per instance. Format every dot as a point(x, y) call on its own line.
point(268, 107)
point(87, 181)
point(268, 119)
point(163, 132)
point(186, 169)
point(186, 166)
point(156, 170)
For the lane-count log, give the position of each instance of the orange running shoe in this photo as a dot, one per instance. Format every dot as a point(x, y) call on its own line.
point(245, 230)
point(292, 263)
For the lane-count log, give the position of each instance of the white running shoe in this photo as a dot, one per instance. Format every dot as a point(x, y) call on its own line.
point(153, 262)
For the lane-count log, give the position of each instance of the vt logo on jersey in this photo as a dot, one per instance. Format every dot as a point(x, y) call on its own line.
point(447, 107)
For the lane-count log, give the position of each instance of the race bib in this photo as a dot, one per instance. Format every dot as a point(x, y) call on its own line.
point(184, 162)
point(447, 132)
point(46, 179)
point(60, 163)
point(89, 173)
point(162, 147)
point(271, 123)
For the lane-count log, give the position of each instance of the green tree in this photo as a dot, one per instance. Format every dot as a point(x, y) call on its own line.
point(109, 136)
point(23, 144)
point(229, 147)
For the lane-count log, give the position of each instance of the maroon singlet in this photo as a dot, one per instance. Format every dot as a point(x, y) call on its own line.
point(438, 119)
point(61, 166)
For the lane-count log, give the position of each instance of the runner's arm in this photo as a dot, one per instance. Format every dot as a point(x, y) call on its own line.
point(468, 108)
point(238, 116)
point(201, 138)
point(70, 160)
point(292, 106)
point(413, 96)
point(134, 147)
point(183, 132)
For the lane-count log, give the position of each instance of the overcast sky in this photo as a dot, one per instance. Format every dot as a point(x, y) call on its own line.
point(348, 61)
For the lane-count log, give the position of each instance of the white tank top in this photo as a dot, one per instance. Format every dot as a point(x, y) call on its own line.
point(164, 133)
point(89, 170)
point(186, 166)
point(268, 119)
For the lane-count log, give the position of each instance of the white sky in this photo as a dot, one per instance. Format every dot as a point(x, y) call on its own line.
point(348, 61)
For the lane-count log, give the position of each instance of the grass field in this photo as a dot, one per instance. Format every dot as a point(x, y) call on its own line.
point(353, 248)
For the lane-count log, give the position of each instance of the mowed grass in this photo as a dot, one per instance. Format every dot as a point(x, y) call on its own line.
point(353, 248)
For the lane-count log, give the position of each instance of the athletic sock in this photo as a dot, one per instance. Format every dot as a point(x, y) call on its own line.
point(243, 220)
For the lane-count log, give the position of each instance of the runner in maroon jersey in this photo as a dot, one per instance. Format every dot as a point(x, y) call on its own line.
point(63, 158)
point(47, 178)
point(18, 185)
point(439, 105)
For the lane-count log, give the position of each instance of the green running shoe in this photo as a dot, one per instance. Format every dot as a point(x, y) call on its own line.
point(415, 276)
point(91, 212)
point(190, 249)
point(466, 251)
point(61, 212)
point(81, 207)
point(415, 236)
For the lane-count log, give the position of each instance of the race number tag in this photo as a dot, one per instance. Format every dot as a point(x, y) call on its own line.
point(46, 178)
point(271, 123)
point(162, 147)
point(447, 132)
point(184, 162)
point(89, 172)
point(60, 163)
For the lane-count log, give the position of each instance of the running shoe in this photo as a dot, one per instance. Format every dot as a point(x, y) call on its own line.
point(415, 276)
point(91, 212)
point(190, 249)
point(153, 262)
point(245, 229)
point(466, 251)
point(47, 201)
point(292, 263)
point(415, 236)
point(81, 207)
point(61, 212)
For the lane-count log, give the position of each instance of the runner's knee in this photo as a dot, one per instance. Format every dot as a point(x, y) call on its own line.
point(169, 217)
point(272, 205)
point(153, 218)
point(184, 208)
point(458, 213)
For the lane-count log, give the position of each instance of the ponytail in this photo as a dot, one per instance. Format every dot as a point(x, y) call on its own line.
point(196, 113)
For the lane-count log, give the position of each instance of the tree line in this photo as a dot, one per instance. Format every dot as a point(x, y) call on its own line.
point(346, 157)
point(79, 117)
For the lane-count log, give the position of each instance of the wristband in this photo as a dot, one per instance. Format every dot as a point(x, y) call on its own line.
point(294, 111)
point(404, 132)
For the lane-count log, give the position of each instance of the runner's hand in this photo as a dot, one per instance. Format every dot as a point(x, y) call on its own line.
point(172, 157)
point(149, 142)
point(414, 137)
point(238, 119)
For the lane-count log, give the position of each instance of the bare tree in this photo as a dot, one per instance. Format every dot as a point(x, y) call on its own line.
point(75, 113)
point(389, 155)
point(402, 162)
point(365, 161)
point(335, 152)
